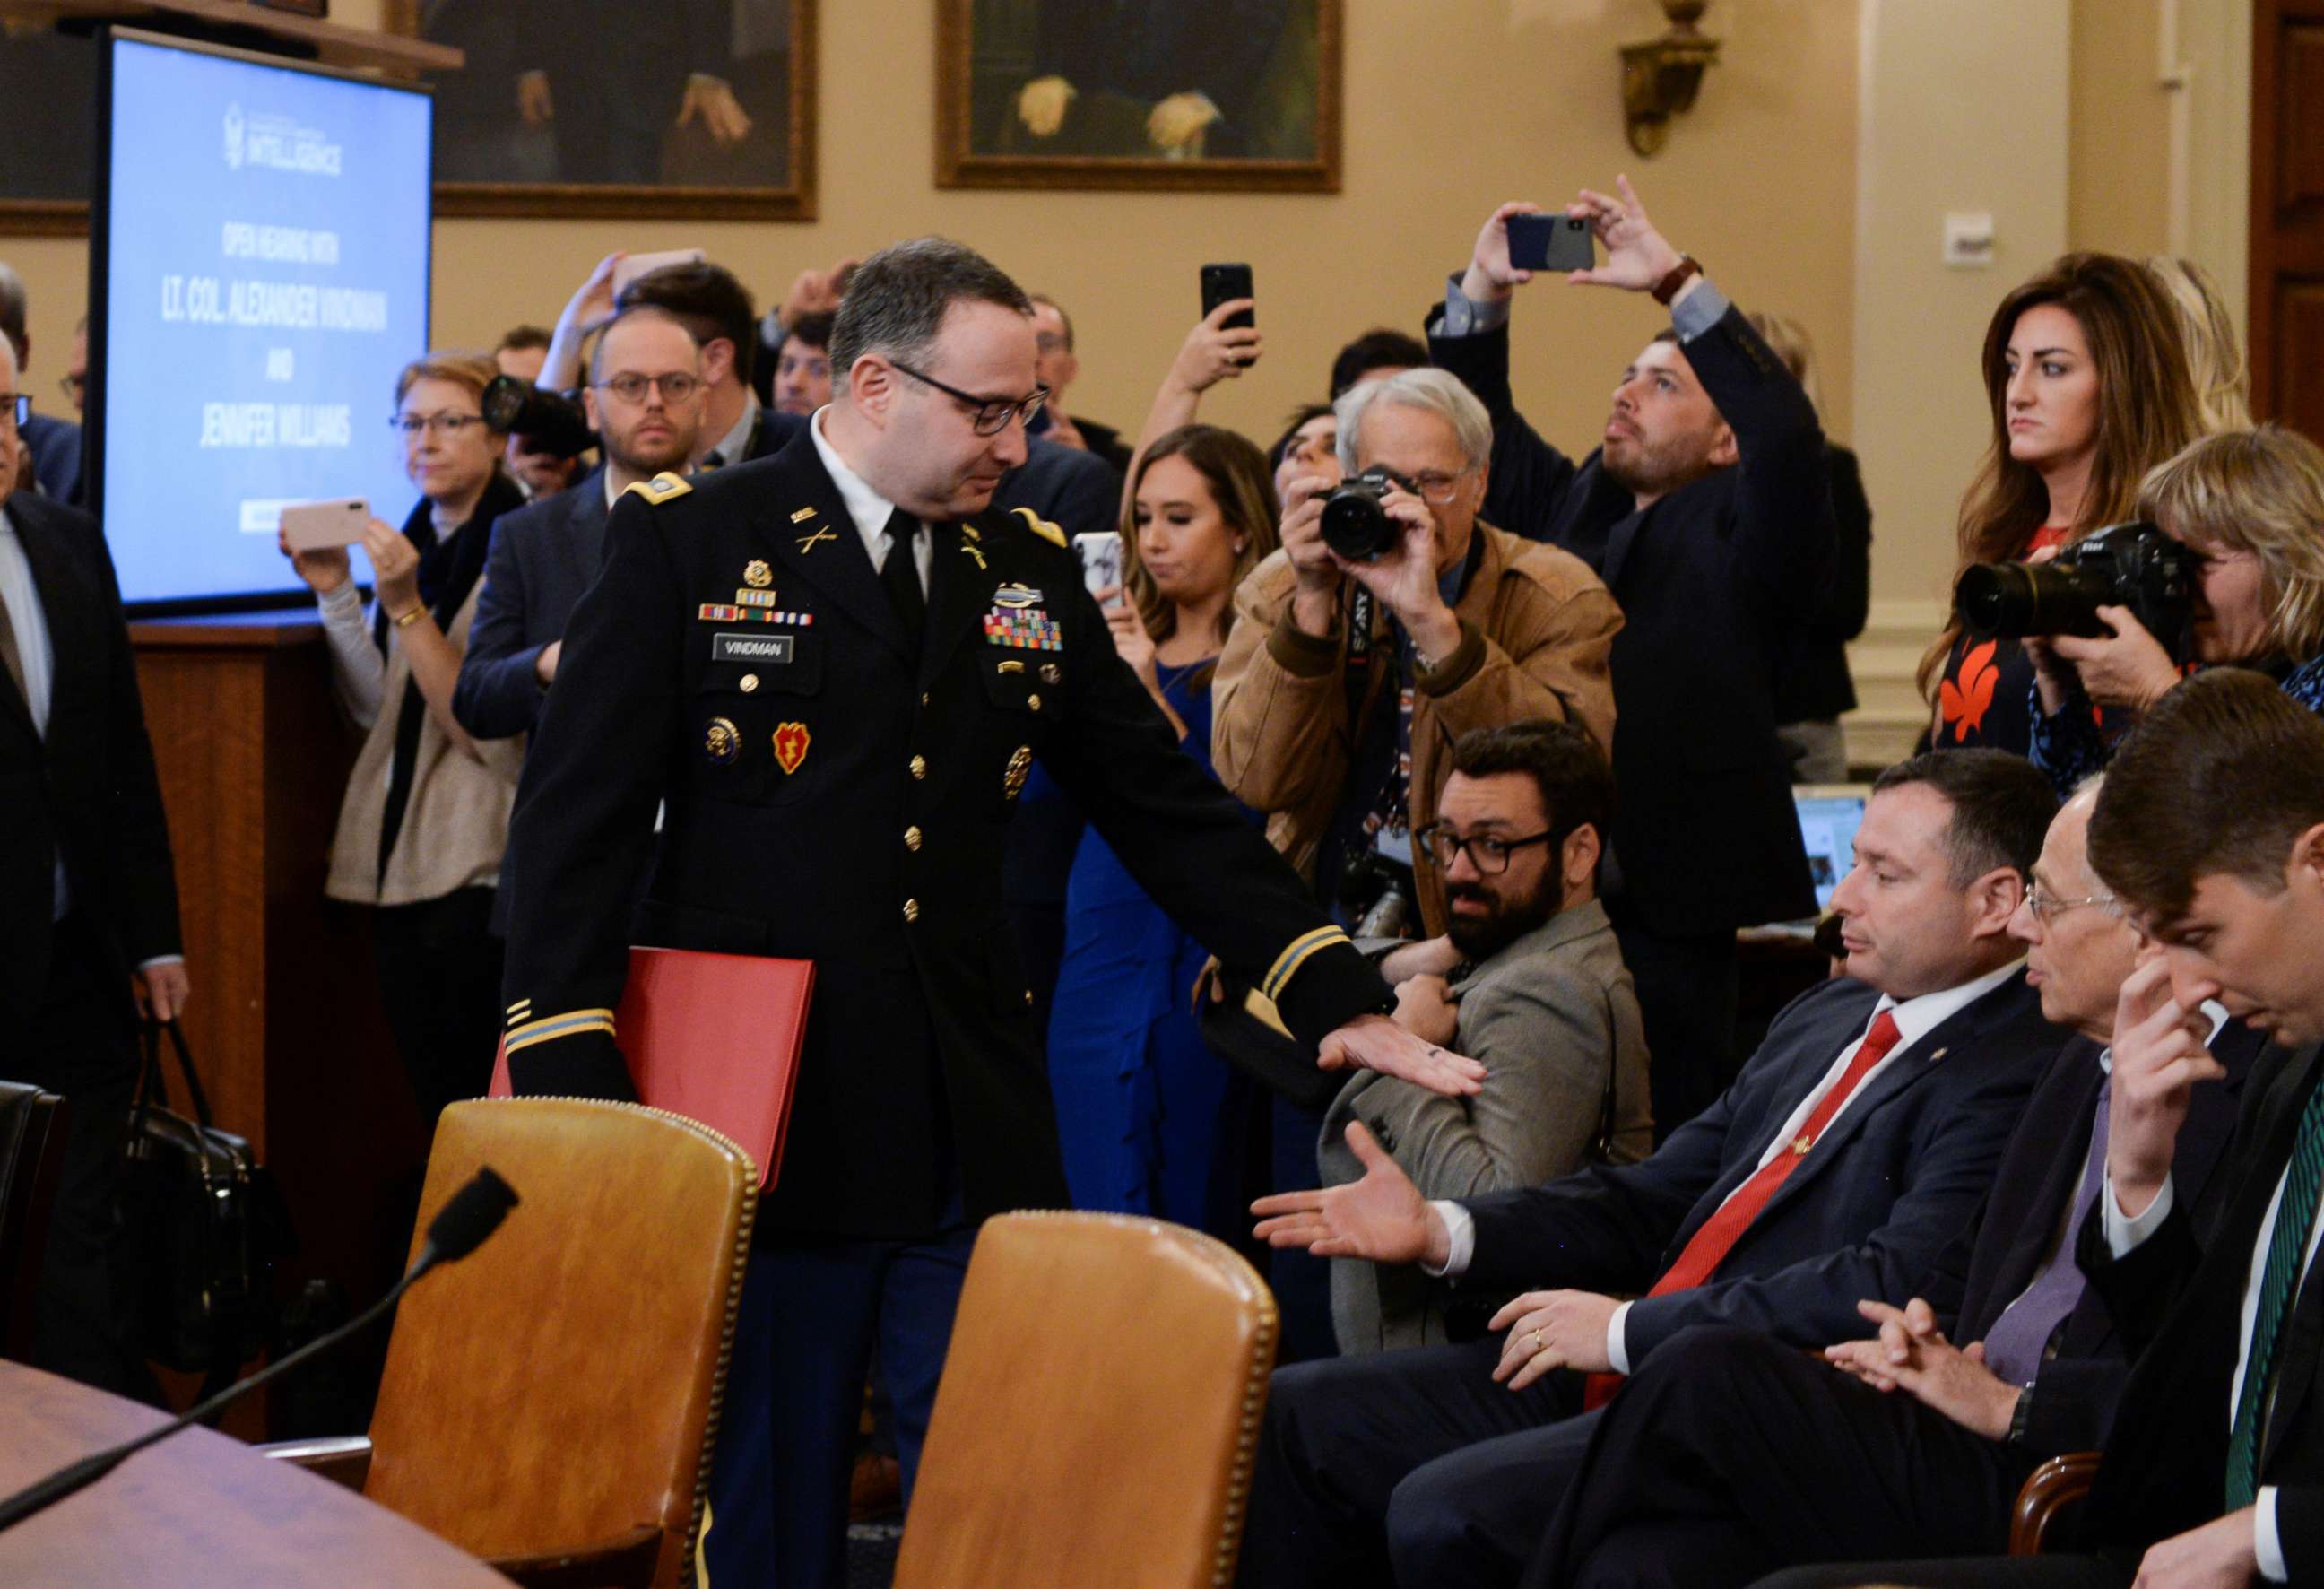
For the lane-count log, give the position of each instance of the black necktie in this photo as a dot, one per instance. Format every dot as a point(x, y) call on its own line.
point(900, 573)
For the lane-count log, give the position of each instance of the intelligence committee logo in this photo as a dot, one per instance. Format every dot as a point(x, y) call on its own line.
point(234, 136)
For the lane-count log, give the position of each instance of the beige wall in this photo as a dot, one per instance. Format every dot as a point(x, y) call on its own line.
point(2120, 151)
point(1452, 106)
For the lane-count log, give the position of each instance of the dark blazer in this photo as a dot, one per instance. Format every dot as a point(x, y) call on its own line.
point(1990, 1263)
point(1896, 1176)
point(2178, 1296)
point(774, 431)
point(1711, 579)
point(543, 556)
point(1811, 676)
point(56, 447)
point(89, 790)
point(1074, 490)
point(870, 841)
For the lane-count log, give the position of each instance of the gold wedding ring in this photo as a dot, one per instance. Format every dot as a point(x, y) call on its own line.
point(1534, 1337)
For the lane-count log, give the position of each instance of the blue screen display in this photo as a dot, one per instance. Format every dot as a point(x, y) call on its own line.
point(266, 279)
point(1827, 823)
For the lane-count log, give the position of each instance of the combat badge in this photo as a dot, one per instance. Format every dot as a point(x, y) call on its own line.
point(1020, 768)
point(756, 575)
point(1016, 597)
point(790, 746)
point(721, 742)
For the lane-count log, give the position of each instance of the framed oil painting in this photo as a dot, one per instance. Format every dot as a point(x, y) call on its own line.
point(1182, 94)
point(611, 107)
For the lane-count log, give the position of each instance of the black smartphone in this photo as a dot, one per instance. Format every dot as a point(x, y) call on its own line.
point(1551, 243)
point(1224, 283)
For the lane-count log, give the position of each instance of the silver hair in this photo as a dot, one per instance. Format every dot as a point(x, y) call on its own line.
point(897, 300)
point(1430, 391)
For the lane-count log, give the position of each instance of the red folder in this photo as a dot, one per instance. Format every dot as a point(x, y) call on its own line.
point(714, 1037)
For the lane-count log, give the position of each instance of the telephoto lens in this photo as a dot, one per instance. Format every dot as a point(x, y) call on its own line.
point(2132, 564)
point(547, 422)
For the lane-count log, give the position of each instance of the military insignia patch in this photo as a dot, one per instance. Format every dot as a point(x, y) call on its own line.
point(1026, 629)
point(663, 488)
point(802, 515)
point(790, 746)
point(756, 575)
point(1016, 596)
point(823, 533)
point(1020, 768)
point(721, 742)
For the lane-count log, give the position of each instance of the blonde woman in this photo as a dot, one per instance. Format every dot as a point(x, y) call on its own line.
point(2250, 505)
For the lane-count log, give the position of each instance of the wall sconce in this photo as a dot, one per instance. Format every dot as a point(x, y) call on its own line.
point(1660, 76)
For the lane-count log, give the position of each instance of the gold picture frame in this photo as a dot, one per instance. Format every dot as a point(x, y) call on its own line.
point(1120, 121)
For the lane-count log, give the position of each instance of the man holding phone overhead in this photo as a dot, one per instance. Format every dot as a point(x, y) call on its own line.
point(1707, 512)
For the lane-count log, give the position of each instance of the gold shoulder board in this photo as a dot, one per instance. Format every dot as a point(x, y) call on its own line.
point(663, 488)
point(1040, 526)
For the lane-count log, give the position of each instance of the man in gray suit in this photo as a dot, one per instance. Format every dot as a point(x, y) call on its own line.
point(645, 399)
point(1526, 979)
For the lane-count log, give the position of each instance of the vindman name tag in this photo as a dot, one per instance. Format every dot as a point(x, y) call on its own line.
point(751, 647)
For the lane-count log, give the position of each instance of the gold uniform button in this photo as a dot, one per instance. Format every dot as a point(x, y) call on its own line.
point(749, 682)
point(911, 909)
point(1033, 702)
point(1029, 998)
point(920, 766)
point(911, 838)
point(924, 698)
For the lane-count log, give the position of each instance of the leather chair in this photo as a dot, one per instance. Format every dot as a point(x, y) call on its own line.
point(548, 1403)
point(2059, 1483)
point(1098, 1411)
point(32, 1156)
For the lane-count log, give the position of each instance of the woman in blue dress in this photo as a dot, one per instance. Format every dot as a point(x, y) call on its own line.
point(1140, 1101)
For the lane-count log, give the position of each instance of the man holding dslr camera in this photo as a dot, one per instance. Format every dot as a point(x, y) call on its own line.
point(1707, 512)
point(1392, 622)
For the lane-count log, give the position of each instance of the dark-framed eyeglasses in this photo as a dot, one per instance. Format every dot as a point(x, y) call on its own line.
point(2047, 907)
point(632, 387)
point(988, 416)
point(1488, 854)
point(18, 409)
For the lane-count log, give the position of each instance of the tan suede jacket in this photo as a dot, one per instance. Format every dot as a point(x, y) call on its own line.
point(1536, 626)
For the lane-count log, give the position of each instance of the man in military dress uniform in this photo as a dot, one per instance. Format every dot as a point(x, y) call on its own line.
point(836, 666)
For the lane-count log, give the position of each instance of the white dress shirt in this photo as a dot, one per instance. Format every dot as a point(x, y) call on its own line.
point(1916, 1019)
point(2123, 1233)
point(868, 509)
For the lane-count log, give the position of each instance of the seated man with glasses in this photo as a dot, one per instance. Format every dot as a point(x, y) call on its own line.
point(645, 400)
point(1528, 982)
point(1733, 1454)
point(1854, 1146)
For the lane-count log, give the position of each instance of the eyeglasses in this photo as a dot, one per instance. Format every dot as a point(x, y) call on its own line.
point(2045, 908)
point(632, 387)
point(1438, 488)
point(1489, 856)
point(433, 424)
point(17, 410)
point(991, 414)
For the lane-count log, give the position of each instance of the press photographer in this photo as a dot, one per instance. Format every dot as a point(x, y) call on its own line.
point(2228, 568)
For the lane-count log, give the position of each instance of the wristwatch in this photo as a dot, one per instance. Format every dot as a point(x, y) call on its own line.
point(1667, 288)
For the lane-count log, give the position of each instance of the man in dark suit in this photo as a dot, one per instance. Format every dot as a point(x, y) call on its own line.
point(1730, 1454)
point(834, 669)
point(54, 443)
point(1061, 367)
point(2211, 828)
point(544, 556)
point(89, 902)
point(1707, 513)
point(1849, 1152)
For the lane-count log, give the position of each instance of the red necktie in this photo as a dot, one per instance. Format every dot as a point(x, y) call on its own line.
point(1710, 1245)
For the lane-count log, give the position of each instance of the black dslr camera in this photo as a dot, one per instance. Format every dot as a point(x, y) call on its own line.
point(1355, 525)
point(2132, 564)
point(545, 421)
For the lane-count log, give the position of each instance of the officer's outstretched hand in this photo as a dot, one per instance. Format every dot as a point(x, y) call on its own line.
point(1375, 1042)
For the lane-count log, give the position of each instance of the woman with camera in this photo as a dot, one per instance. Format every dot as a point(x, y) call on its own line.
point(2086, 374)
point(427, 808)
point(1139, 1099)
point(2248, 505)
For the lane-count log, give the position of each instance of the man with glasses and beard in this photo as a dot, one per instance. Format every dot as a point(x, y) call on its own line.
point(1527, 980)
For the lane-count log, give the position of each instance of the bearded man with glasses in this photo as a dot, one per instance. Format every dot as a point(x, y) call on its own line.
point(1527, 980)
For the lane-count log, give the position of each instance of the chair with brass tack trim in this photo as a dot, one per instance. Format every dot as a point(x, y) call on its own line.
point(549, 1404)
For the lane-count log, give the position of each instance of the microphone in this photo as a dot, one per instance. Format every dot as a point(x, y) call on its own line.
point(472, 1214)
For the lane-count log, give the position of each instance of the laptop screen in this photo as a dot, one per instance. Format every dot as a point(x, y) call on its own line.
point(1828, 816)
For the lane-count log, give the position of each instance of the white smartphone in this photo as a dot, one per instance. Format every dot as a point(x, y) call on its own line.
point(1100, 555)
point(638, 264)
point(316, 526)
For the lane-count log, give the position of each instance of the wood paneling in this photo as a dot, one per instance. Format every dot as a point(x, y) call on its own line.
point(2287, 218)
